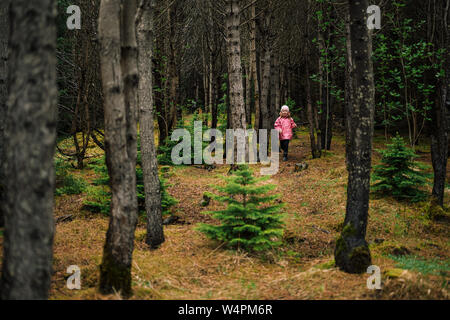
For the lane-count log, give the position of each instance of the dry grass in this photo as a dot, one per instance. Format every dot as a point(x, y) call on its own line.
point(189, 266)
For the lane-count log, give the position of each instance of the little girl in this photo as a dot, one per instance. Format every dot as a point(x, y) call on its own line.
point(284, 125)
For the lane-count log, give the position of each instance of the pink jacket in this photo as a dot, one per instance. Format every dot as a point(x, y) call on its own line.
point(285, 126)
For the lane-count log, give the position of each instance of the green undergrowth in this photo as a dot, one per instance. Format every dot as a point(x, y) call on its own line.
point(67, 183)
point(99, 195)
point(424, 266)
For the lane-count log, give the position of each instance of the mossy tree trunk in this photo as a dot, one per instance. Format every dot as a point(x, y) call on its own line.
point(155, 232)
point(4, 34)
point(352, 252)
point(119, 80)
point(30, 139)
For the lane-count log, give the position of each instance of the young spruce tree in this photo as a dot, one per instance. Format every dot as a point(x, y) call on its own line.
point(398, 175)
point(250, 221)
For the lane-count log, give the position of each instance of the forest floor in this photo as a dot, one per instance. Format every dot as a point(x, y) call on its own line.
point(411, 251)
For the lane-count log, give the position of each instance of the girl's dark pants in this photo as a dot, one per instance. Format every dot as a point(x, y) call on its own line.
point(284, 144)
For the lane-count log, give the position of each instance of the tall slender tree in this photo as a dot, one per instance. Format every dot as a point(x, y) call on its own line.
point(233, 18)
point(30, 145)
point(155, 232)
point(266, 58)
point(173, 77)
point(236, 96)
point(254, 80)
point(440, 113)
point(352, 252)
point(120, 141)
point(314, 130)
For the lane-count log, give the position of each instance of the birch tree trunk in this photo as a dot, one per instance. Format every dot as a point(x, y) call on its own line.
point(115, 270)
point(4, 34)
point(30, 145)
point(155, 232)
point(352, 253)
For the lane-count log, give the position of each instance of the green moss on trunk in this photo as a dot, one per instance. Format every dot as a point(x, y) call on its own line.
point(352, 255)
point(114, 277)
point(434, 211)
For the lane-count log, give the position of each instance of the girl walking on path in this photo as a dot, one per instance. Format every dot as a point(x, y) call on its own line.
point(284, 125)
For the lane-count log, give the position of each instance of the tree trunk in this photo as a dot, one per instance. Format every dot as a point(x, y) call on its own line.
point(173, 77)
point(323, 87)
point(277, 89)
point(159, 94)
point(115, 270)
point(266, 66)
point(254, 66)
point(236, 95)
point(30, 146)
point(352, 252)
point(155, 232)
point(330, 82)
point(348, 85)
point(211, 87)
point(316, 150)
point(237, 108)
point(265, 97)
point(4, 34)
point(274, 90)
point(248, 96)
point(440, 112)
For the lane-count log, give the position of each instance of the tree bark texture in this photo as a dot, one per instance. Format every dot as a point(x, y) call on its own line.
point(173, 77)
point(316, 150)
point(440, 131)
point(4, 35)
point(155, 232)
point(352, 252)
point(115, 270)
point(30, 146)
point(254, 80)
point(237, 106)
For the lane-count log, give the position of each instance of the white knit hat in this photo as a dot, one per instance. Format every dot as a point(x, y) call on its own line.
point(284, 108)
